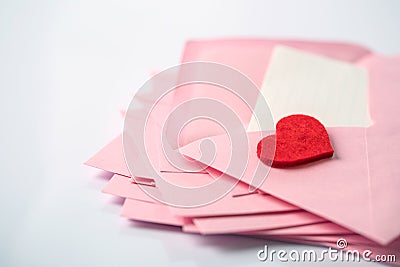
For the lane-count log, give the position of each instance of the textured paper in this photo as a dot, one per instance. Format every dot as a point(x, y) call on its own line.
point(332, 91)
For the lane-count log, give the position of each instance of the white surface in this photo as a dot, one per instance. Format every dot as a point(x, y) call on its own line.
point(67, 67)
point(297, 82)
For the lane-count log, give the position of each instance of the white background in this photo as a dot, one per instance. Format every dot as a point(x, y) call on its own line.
point(68, 67)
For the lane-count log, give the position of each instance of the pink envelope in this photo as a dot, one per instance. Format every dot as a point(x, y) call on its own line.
point(322, 228)
point(358, 187)
point(158, 213)
point(110, 158)
point(121, 186)
point(234, 203)
point(254, 222)
point(155, 213)
point(150, 212)
point(250, 57)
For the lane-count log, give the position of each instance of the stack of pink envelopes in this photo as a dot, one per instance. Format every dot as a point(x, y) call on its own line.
point(352, 196)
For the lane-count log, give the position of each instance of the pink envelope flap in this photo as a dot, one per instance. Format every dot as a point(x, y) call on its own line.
point(323, 228)
point(110, 158)
point(313, 229)
point(254, 222)
point(122, 186)
point(150, 212)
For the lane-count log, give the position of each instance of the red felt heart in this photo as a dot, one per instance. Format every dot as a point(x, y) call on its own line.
point(299, 139)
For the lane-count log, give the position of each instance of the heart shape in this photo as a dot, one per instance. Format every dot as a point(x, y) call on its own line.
point(299, 139)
